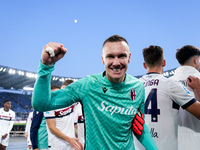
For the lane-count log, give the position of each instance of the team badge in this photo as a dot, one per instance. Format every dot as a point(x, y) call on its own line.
point(133, 94)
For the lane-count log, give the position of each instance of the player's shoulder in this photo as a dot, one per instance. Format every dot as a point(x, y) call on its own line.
point(133, 81)
point(197, 75)
point(89, 78)
point(11, 111)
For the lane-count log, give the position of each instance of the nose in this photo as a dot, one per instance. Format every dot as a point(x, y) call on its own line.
point(116, 61)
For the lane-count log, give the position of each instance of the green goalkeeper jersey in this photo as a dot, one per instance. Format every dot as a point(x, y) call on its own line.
point(109, 108)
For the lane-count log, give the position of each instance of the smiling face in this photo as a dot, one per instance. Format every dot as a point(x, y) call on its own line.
point(116, 56)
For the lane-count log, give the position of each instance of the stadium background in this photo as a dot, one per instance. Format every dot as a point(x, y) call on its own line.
point(17, 85)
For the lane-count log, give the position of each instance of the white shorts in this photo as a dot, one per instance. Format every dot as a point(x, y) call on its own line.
point(5, 141)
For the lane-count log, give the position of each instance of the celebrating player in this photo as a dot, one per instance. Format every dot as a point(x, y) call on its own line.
point(110, 99)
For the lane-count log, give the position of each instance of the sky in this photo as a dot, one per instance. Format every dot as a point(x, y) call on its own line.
point(83, 25)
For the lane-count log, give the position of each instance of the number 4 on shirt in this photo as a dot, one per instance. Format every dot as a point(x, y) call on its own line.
point(153, 111)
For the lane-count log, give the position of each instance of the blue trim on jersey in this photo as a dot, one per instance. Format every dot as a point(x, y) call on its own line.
point(50, 117)
point(189, 103)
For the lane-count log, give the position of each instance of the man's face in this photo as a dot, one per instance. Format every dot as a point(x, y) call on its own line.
point(116, 56)
point(7, 105)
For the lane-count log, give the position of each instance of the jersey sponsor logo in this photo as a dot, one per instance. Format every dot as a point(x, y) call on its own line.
point(2, 117)
point(104, 89)
point(64, 112)
point(115, 109)
point(153, 133)
point(133, 94)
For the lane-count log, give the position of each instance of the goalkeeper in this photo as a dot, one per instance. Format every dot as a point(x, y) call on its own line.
point(110, 99)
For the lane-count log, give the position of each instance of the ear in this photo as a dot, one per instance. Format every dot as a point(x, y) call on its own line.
point(102, 60)
point(129, 59)
point(164, 63)
point(144, 65)
point(195, 60)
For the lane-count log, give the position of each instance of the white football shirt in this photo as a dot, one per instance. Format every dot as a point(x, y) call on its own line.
point(7, 119)
point(64, 121)
point(189, 125)
point(161, 110)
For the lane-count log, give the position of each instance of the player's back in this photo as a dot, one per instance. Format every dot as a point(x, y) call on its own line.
point(161, 111)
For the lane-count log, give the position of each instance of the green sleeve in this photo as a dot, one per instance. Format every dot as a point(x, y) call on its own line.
point(146, 139)
point(43, 99)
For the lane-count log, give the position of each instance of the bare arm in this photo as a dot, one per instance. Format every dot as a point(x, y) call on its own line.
point(72, 141)
point(194, 83)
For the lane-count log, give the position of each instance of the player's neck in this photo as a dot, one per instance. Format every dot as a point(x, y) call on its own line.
point(155, 70)
point(6, 109)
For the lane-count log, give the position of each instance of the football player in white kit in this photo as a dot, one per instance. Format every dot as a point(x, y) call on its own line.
point(27, 130)
point(7, 118)
point(61, 126)
point(189, 126)
point(162, 99)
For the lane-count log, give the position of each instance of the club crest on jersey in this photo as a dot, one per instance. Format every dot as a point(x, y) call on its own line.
point(133, 94)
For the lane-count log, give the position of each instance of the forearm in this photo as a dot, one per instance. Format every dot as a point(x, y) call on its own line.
point(146, 139)
point(197, 94)
point(41, 97)
point(59, 134)
point(27, 125)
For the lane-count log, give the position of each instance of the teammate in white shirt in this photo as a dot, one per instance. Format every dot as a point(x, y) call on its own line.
point(162, 99)
point(189, 126)
point(80, 121)
point(7, 118)
point(27, 130)
point(61, 126)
